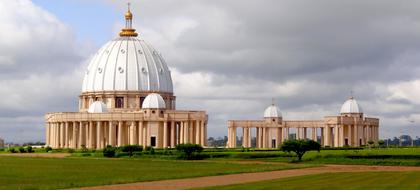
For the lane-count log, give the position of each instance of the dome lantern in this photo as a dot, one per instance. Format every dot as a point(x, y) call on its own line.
point(128, 31)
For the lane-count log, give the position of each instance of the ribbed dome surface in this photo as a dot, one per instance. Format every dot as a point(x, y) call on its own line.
point(351, 106)
point(97, 107)
point(153, 101)
point(127, 64)
point(272, 111)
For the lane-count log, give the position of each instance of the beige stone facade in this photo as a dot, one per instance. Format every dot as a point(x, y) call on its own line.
point(158, 128)
point(347, 129)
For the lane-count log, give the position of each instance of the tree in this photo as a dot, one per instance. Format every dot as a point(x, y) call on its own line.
point(370, 143)
point(109, 151)
point(130, 149)
point(189, 150)
point(381, 143)
point(300, 147)
point(47, 149)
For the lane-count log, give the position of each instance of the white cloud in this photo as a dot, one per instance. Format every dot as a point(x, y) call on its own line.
point(39, 69)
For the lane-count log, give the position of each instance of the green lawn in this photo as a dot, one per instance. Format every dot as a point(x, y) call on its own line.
point(383, 156)
point(351, 181)
point(53, 173)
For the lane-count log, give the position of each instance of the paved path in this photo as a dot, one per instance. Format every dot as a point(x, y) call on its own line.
point(177, 184)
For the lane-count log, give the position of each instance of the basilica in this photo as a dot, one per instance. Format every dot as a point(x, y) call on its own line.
point(127, 98)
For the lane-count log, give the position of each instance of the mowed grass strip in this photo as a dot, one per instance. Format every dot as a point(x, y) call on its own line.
point(53, 173)
point(344, 181)
point(381, 156)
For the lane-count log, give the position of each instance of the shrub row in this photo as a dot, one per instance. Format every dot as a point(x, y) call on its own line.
point(124, 151)
point(27, 149)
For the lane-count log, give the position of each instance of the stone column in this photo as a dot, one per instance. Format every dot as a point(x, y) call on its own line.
point(47, 135)
point(111, 133)
point(279, 137)
point(59, 133)
point(197, 132)
point(298, 133)
point(244, 137)
point(249, 136)
point(264, 138)
point(349, 135)
point(322, 136)
point(133, 133)
point(86, 138)
point(315, 134)
point(90, 134)
point(186, 132)
point(234, 137)
point(99, 135)
point(80, 138)
point(173, 134)
point(257, 137)
point(140, 139)
point(336, 136)
point(356, 135)
point(120, 134)
point(62, 133)
point(56, 134)
point(326, 136)
point(66, 135)
point(203, 133)
point(305, 135)
point(165, 134)
point(341, 135)
point(191, 131)
point(75, 132)
point(53, 135)
point(144, 135)
point(181, 133)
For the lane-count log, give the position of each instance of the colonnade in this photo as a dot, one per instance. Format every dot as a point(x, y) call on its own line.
point(329, 135)
point(99, 134)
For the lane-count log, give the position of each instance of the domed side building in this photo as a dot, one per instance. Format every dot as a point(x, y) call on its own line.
point(350, 128)
point(127, 98)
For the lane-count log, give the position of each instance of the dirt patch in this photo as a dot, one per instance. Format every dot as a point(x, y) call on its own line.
point(39, 155)
point(247, 177)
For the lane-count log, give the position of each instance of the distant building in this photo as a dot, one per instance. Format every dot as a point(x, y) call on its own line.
point(1, 143)
point(350, 128)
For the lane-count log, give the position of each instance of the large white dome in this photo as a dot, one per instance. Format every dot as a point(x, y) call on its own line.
point(127, 63)
point(351, 106)
point(272, 111)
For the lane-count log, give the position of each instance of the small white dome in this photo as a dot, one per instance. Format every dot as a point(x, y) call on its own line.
point(351, 106)
point(97, 107)
point(153, 101)
point(272, 111)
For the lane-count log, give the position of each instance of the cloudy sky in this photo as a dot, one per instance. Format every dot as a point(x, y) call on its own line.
point(228, 57)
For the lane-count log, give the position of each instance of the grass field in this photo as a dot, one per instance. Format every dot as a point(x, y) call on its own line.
point(350, 181)
point(385, 156)
point(53, 173)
